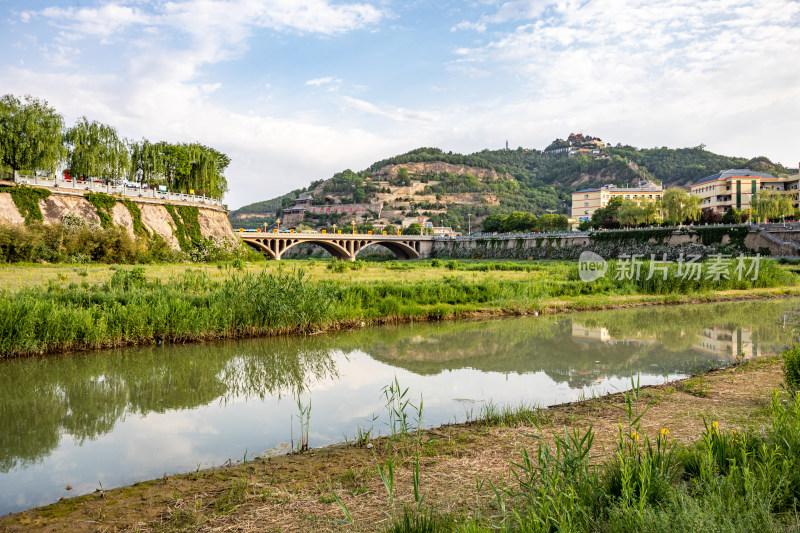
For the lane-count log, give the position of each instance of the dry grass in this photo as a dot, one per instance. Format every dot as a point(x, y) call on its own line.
point(294, 492)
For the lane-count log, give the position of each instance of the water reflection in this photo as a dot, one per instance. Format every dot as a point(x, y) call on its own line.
point(87, 395)
point(53, 405)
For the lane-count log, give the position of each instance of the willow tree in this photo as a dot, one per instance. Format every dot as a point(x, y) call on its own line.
point(771, 205)
point(95, 150)
point(202, 169)
point(679, 206)
point(147, 163)
point(30, 134)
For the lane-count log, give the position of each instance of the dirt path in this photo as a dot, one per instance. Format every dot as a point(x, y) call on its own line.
point(295, 492)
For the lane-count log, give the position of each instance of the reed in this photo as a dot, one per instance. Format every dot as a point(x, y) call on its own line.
point(130, 309)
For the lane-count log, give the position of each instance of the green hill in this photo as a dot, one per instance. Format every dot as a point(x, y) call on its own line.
point(452, 186)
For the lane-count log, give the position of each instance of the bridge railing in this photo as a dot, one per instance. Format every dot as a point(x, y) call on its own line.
point(124, 190)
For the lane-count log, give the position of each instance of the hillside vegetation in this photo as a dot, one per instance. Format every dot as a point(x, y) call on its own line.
point(460, 190)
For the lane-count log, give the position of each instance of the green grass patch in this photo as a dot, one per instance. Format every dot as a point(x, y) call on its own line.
point(103, 204)
point(27, 201)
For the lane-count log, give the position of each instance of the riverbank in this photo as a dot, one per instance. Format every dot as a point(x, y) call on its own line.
point(125, 306)
point(459, 466)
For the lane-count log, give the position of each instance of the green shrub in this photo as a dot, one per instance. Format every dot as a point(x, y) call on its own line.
point(27, 201)
point(103, 204)
point(128, 279)
point(337, 266)
point(136, 216)
point(791, 369)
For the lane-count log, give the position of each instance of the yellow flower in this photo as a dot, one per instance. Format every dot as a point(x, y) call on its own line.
point(635, 435)
point(664, 432)
point(715, 426)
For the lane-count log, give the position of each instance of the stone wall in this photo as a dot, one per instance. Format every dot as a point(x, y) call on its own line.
point(155, 218)
point(613, 244)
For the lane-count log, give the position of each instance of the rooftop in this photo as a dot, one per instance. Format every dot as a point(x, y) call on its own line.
point(614, 188)
point(738, 172)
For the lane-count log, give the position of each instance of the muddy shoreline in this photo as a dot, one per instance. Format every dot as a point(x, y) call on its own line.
point(295, 492)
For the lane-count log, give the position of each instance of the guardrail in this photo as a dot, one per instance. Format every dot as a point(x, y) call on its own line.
point(135, 192)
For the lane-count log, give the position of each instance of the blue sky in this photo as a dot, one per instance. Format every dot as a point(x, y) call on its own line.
point(295, 90)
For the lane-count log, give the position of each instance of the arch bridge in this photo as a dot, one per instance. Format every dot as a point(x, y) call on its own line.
point(344, 247)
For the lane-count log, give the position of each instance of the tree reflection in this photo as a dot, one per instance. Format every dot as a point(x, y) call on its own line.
point(84, 396)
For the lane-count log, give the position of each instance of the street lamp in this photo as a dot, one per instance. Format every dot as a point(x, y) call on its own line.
point(469, 224)
point(354, 226)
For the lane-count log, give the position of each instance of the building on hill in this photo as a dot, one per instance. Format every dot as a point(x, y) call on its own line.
point(585, 202)
point(578, 144)
point(735, 188)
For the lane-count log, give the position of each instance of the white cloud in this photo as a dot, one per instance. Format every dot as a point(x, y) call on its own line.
point(673, 70)
point(480, 27)
point(327, 80)
point(395, 113)
point(673, 73)
point(209, 18)
point(102, 21)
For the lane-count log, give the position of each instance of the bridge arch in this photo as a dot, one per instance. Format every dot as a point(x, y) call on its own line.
point(342, 249)
point(402, 250)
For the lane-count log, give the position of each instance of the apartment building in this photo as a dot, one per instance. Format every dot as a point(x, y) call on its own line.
point(736, 187)
point(587, 201)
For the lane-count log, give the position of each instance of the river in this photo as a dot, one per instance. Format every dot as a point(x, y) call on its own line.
point(111, 418)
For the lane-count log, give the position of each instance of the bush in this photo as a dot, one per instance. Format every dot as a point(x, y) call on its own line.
point(791, 369)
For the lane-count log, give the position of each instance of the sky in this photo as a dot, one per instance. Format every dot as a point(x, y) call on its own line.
point(296, 90)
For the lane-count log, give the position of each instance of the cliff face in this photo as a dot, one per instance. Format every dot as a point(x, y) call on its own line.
point(436, 167)
point(155, 217)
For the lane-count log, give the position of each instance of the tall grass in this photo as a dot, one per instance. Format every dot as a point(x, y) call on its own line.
point(727, 481)
point(131, 309)
point(128, 308)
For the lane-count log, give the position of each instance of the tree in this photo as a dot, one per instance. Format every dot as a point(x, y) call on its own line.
point(492, 223)
point(30, 134)
point(518, 221)
point(709, 216)
point(732, 216)
point(413, 229)
point(771, 205)
point(402, 177)
point(608, 216)
point(631, 213)
point(95, 150)
point(390, 229)
point(365, 227)
point(553, 222)
point(416, 229)
point(147, 163)
point(679, 206)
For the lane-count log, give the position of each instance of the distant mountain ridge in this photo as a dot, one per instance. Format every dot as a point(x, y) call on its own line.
point(465, 188)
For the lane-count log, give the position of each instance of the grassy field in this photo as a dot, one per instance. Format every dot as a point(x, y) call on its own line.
point(56, 309)
point(16, 276)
